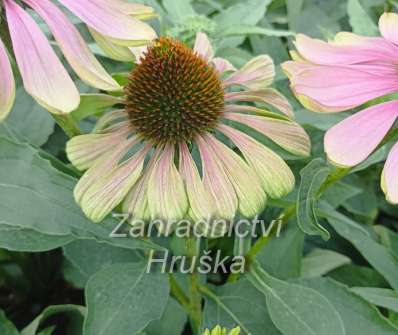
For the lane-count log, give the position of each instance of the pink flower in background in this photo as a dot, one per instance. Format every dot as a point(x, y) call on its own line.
point(44, 77)
point(346, 73)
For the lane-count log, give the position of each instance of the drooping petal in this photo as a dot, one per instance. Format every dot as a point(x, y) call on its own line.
point(167, 198)
point(112, 50)
point(138, 10)
point(73, 46)
point(201, 207)
point(288, 134)
point(136, 202)
point(7, 83)
point(257, 74)
point(247, 185)
point(275, 175)
point(389, 179)
point(108, 191)
point(111, 22)
point(217, 183)
point(102, 167)
point(352, 140)
point(43, 75)
point(321, 52)
point(388, 25)
point(222, 65)
point(203, 47)
point(85, 150)
point(268, 96)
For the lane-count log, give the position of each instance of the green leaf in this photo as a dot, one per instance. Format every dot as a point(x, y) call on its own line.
point(35, 196)
point(295, 309)
point(321, 261)
point(123, 298)
point(388, 238)
point(238, 304)
point(294, 8)
point(248, 13)
point(28, 121)
point(179, 10)
point(18, 238)
point(382, 297)
point(244, 30)
point(172, 322)
point(376, 254)
point(282, 256)
point(74, 312)
point(359, 317)
point(90, 256)
point(360, 21)
point(94, 104)
point(312, 178)
point(6, 326)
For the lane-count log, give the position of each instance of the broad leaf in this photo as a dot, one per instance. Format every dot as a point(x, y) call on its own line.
point(6, 326)
point(296, 309)
point(123, 298)
point(382, 297)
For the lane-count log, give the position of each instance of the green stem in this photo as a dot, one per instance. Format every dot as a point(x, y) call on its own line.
point(66, 122)
point(178, 293)
point(251, 255)
point(195, 298)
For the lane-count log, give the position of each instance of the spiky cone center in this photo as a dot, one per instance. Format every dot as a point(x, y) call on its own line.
point(173, 94)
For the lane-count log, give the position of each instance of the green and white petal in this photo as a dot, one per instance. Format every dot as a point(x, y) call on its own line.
point(201, 207)
point(275, 175)
point(257, 74)
point(102, 167)
point(166, 192)
point(7, 83)
point(268, 96)
point(251, 195)
point(136, 202)
point(288, 134)
point(112, 50)
point(85, 150)
point(217, 183)
point(107, 192)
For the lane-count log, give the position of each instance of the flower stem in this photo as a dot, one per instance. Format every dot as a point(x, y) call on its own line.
point(195, 297)
point(68, 125)
point(178, 293)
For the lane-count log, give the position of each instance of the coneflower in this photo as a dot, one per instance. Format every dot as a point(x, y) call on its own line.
point(43, 75)
point(164, 154)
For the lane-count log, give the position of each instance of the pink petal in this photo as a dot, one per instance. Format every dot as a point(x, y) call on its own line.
point(351, 141)
point(388, 25)
point(258, 73)
point(222, 65)
point(216, 182)
point(43, 75)
point(390, 176)
point(111, 22)
point(288, 134)
point(73, 46)
point(167, 198)
point(7, 83)
point(266, 96)
point(201, 207)
point(320, 52)
point(203, 47)
point(248, 187)
point(345, 87)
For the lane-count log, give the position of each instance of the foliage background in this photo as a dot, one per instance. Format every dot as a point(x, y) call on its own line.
point(53, 261)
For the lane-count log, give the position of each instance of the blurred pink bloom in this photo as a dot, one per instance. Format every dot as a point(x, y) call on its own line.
point(343, 74)
point(44, 77)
